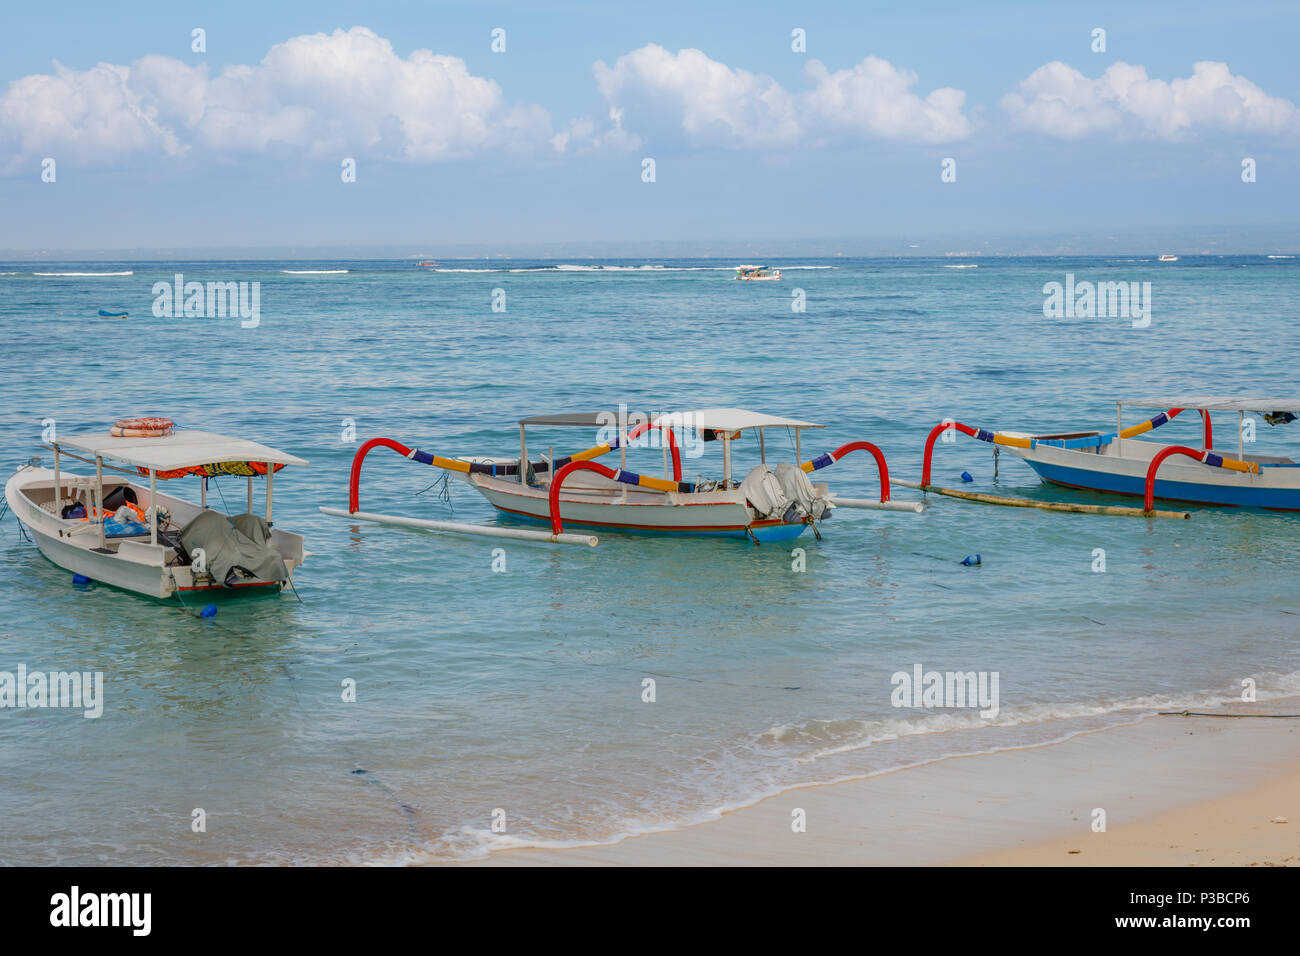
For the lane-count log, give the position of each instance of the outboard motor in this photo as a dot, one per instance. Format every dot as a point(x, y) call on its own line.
point(764, 493)
point(796, 487)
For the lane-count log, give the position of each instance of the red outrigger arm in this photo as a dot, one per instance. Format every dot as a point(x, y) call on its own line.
point(354, 481)
point(1205, 457)
point(831, 457)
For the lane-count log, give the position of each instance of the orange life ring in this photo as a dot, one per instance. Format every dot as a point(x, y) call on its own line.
point(142, 428)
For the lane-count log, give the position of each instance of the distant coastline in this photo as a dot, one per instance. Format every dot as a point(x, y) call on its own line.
point(1281, 239)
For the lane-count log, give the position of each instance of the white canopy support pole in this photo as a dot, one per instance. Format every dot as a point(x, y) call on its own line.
point(99, 497)
point(798, 446)
point(668, 472)
point(270, 479)
point(726, 460)
point(153, 506)
point(250, 494)
point(523, 457)
point(1241, 440)
point(58, 489)
point(1119, 429)
point(762, 447)
point(203, 497)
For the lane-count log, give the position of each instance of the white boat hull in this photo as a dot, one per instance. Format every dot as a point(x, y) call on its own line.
point(1121, 468)
point(591, 502)
point(132, 564)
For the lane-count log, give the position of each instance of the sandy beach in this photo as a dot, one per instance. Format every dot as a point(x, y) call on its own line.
point(1175, 791)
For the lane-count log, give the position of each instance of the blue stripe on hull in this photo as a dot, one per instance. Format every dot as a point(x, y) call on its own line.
point(778, 532)
point(1284, 499)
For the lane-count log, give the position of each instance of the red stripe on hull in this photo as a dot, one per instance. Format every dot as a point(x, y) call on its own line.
point(738, 528)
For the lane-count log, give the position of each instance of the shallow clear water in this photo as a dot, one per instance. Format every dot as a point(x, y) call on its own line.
point(522, 691)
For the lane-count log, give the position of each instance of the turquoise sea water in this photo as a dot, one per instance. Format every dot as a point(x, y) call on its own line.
point(522, 691)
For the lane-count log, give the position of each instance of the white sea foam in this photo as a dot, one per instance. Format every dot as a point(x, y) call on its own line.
point(970, 266)
point(469, 842)
point(833, 737)
point(572, 267)
point(314, 272)
point(83, 273)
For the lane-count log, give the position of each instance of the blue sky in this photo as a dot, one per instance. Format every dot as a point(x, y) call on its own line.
point(241, 145)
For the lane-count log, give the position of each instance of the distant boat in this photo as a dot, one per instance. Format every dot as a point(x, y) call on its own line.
point(426, 264)
point(757, 274)
point(1168, 258)
point(112, 315)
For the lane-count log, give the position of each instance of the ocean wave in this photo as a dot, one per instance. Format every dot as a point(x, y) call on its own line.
point(83, 273)
point(313, 272)
point(839, 736)
point(570, 267)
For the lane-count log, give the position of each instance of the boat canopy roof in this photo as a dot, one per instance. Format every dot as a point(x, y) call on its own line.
point(1219, 403)
point(581, 419)
point(729, 420)
point(183, 449)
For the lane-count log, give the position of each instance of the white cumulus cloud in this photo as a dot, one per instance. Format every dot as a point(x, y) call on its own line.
point(656, 93)
point(326, 95)
point(1058, 100)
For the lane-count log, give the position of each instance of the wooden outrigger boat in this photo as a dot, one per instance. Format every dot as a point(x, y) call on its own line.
point(577, 492)
point(1119, 463)
point(121, 531)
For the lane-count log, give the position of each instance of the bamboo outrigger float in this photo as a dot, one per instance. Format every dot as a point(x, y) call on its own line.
point(578, 492)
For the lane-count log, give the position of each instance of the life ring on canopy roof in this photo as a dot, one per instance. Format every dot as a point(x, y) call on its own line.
point(142, 428)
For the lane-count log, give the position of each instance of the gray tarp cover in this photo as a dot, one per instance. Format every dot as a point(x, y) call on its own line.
point(244, 543)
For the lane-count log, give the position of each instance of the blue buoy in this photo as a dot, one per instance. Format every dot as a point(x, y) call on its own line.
point(80, 579)
point(209, 610)
point(971, 560)
point(965, 476)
